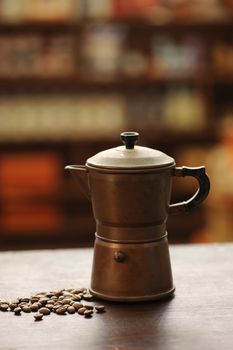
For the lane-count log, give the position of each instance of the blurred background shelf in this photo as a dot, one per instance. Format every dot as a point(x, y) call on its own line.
point(76, 73)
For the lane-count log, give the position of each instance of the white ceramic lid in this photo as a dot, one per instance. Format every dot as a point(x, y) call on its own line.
point(130, 156)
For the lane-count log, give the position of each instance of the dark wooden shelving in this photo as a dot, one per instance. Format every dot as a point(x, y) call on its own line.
point(77, 81)
point(78, 225)
point(150, 23)
point(166, 136)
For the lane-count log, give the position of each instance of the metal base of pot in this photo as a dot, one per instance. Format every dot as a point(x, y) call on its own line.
point(131, 271)
point(133, 299)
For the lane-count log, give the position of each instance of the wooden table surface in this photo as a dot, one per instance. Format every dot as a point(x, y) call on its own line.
point(200, 316)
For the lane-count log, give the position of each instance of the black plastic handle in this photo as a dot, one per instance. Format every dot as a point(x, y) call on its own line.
point(129, 138)
point(204, 188)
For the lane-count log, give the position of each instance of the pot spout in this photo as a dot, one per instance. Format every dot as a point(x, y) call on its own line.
point(79, 172)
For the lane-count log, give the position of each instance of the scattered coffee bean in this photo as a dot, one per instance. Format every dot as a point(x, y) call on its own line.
point(39, 296)
point(88, 307)
point(67, 294)
point(44, 301)
point(77, 305)
point(17, 311)
point(82, 310)
point(100, 308)
point(12, 306)
point(88, 313)
point(49, 306)
point(4, 306)
point(25, 300)
point(61, 310)
point(44, 311)
point(34, 300)
point(26, 308)
point(22, 303)
point(34, 307)
point(55, 307)
point(87, 296)
point(77, 291)
point(71, 310)
point(38, 316)
point(60, 302)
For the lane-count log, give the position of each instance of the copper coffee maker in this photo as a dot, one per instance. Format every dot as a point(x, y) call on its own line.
point(130, 187)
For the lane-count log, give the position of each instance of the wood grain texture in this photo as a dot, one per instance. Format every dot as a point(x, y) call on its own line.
point(200, 316)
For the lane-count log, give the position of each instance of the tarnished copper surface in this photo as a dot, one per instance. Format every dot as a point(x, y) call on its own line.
point(131, 258)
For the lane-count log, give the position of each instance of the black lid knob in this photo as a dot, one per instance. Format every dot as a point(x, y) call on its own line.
point(129, 138)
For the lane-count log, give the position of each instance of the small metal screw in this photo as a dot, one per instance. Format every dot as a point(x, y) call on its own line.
point(119, 256)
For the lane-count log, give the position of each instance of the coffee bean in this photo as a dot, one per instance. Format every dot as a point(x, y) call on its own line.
point(71, 310)
point(4, 306)
point(44, 301)
point(77, 291)
point(87, 296)
point(67, 294)
point(77, 298)
point(65, 301)
point(41, 294)
point(77, 305)
point(25, 300)
point(100, 308)
point(88, 307)
point(38, 316)
point(65, 306)
point(22, 304)
point(34, 299)
point(17, 310)
point(34, 307)
point(26, 308)
point(88, 313)
point(61, 297)
point(12, 306)
point(50, 294)
point(44, 311)
point(57, 303)
point(54, 298)
point(82, 310)
point(55, 307)
point(61, 310)
point(49, 306)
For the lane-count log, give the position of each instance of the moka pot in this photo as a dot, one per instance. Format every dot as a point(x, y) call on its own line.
point(130, 187)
